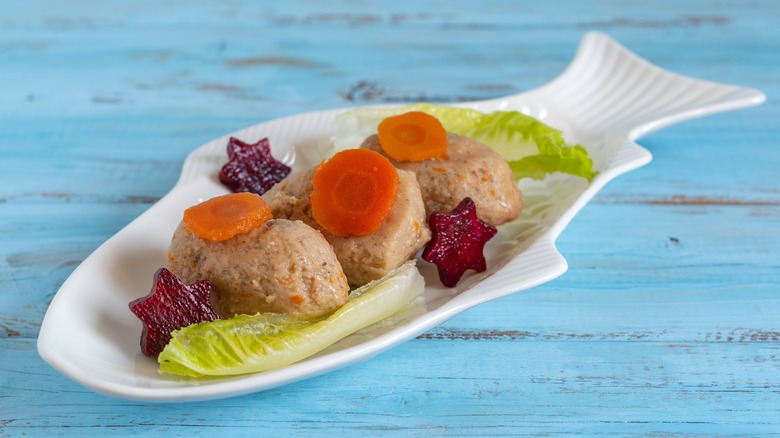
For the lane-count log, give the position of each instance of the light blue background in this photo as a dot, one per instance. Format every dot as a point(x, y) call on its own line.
point(667, 323)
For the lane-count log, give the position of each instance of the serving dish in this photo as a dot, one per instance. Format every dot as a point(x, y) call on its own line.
point(605, 99)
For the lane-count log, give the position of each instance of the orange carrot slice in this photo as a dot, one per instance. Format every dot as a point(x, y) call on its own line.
point(412, 136)
point(353, 192)
point(227, 216)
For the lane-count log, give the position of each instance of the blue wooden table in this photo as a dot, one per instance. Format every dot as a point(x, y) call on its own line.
point(667, 322)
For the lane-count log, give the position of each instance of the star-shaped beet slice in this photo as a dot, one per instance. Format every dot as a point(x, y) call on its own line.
point(457, 242)
point(170, 305)
point(251, 168)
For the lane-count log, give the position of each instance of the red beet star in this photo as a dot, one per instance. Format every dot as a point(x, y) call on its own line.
point(251, 168)
point(170, 305)
point(457, 242)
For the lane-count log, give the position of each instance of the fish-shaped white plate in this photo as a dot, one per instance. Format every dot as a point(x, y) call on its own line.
point(605, 99)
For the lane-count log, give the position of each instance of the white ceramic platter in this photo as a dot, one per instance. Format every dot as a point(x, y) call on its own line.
point(604, 100)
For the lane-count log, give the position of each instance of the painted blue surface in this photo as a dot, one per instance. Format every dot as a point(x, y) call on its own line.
point(667, 322)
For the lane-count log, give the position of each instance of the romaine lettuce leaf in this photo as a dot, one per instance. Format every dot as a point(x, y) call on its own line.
point(532, 148)
point(248, 344)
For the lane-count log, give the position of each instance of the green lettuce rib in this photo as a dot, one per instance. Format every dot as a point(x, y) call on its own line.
point(532, 148)
point(249, 344)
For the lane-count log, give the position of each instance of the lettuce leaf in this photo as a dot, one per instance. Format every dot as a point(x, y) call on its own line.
point(532, 148)
point(253, 343)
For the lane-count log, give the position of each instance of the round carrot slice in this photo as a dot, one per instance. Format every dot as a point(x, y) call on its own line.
point(412, 136)
point(353, 192)
point(226, 216)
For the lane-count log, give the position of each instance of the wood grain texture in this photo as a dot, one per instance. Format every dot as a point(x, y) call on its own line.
point(666, 324)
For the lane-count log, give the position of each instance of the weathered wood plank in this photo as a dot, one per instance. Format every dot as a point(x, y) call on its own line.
point(500, 386)
point(161, 57)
